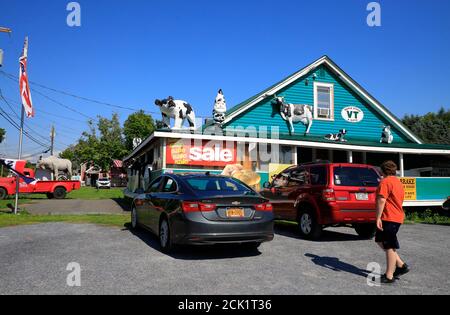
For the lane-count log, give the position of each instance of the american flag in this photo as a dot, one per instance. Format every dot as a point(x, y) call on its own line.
point(23, 82)
point(118, 163)
point(18, 168)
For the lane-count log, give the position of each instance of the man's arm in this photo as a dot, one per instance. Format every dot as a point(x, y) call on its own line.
point(381, 203)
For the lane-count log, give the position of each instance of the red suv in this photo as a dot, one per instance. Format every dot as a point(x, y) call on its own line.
point(320, 195)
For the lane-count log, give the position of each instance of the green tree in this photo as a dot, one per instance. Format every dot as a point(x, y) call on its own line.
point(70, 155)
point(101, 144)
point(137, 125)
point(432, 127)
point(2, 134)
point(111, 143)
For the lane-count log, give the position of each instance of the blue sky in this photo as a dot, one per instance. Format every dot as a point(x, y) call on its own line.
point(131, 52)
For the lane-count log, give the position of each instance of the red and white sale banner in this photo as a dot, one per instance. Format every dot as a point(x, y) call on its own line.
point(208, 153)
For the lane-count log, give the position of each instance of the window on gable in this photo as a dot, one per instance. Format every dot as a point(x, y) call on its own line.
point(323, 101)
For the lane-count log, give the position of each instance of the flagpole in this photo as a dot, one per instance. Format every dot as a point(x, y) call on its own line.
point(16, 206)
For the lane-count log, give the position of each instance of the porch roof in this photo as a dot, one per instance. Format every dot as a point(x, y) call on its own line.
point(302, 141)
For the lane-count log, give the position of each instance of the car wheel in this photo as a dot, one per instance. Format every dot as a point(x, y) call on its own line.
point(3, 193)
point(164, 236)
point(134, 219)
point(60, 193)
point(308, 226)
point(366, 231)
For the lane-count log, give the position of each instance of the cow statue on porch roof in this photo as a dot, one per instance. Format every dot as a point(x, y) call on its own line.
point(338, 137)
point(293, 113)
point(179, 110)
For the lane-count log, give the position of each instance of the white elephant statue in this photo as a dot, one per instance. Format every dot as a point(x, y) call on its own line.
point(55, 165)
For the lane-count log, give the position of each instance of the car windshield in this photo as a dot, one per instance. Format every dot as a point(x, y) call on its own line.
point(356, 176)
point(218, 186)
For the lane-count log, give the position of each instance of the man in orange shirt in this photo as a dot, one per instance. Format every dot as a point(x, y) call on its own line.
point(390, 216)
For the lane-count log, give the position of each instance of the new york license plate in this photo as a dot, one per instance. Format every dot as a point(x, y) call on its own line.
point(235, 213)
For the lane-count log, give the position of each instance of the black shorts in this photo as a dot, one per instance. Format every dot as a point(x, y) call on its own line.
point(388, 237)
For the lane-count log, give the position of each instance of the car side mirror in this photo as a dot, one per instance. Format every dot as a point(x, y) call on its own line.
point(267, 185)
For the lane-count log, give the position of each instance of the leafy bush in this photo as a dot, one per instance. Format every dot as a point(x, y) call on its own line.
point(428, 216)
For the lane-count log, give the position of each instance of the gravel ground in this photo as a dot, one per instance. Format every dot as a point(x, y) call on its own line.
point(75, 206)
point(34, 258)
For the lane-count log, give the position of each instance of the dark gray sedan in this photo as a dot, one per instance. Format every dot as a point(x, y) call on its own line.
point(203, 209)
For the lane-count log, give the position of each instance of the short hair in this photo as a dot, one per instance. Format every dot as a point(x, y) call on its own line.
point(389, 168)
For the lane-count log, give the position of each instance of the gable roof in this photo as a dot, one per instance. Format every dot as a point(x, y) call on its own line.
point(352, 84)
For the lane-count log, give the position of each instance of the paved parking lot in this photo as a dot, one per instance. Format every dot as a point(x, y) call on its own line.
point(34, 258)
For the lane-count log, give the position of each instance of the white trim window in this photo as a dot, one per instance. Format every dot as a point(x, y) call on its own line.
point(323, 101)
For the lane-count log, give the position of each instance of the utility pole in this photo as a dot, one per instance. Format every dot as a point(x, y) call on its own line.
point(3, 30)
point(52, 140)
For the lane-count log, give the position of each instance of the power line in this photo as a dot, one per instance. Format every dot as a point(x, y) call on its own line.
point(26, 157)
point(29, 128)
point(48, 113)
point(15, 113)
point(10, 120)
point(61, 117)
point(63, 105)
point(87, 99)
point(14, 78)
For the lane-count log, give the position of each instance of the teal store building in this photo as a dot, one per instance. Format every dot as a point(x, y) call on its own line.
point(346, 125)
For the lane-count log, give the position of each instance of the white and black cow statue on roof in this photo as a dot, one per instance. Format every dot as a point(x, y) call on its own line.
point(386, 135)
point(179, 110)
point(220, 108)
point(293, 113)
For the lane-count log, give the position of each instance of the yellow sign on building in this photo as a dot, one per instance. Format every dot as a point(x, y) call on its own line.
point(275, 169)
point(410, 186)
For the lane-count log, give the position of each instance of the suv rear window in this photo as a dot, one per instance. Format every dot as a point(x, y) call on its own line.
point(356, 176)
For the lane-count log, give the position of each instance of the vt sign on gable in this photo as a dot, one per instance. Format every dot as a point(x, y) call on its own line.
point(352, 114)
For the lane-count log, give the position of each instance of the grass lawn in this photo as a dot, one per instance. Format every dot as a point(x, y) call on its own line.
point(85, 193)
point(117, 220)
point(90, 193)
point(4, 203)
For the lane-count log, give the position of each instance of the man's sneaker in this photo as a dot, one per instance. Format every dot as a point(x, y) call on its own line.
point(401, 271)
point(385, 280)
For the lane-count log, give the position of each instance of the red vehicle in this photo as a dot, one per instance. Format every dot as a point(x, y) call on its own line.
point(319, 195)
point(53, 189)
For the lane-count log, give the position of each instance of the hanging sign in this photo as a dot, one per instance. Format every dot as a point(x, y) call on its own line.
point(352, 114)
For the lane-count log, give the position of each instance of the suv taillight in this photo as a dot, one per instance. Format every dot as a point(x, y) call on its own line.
point(328, 195)
point(197, 206)
point(264, 207)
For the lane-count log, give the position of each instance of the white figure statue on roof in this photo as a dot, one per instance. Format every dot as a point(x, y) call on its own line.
point(386, 135)
point(220, 108)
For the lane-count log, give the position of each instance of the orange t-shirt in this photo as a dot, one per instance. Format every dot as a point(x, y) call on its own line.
point(391, 189)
